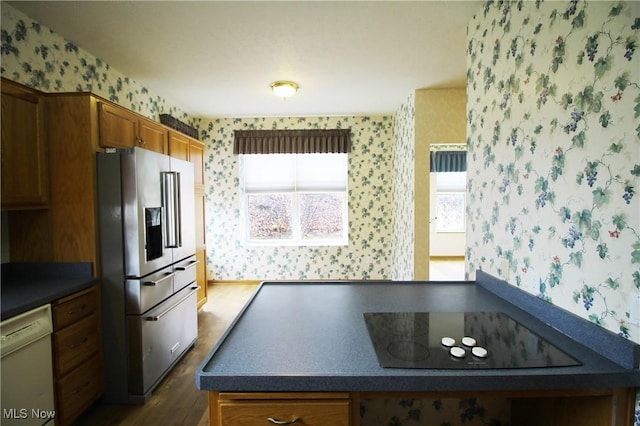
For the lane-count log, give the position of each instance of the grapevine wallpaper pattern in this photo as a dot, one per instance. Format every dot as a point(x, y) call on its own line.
point(554, 153)
point(404, 191)
point(553, 147)
point(368, 254)
point(37, 57)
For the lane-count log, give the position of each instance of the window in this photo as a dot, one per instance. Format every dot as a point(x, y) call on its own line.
point(294, 199)
point(451, 201)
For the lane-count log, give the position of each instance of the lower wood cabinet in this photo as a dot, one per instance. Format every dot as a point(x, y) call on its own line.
point(77, 353)
point(585, 407)
point(253, 409)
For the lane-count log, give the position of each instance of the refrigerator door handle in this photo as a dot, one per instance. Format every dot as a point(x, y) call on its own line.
point(178, 210)
point(171, 201)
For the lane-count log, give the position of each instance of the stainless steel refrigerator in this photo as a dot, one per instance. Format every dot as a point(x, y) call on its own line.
point(147, 254)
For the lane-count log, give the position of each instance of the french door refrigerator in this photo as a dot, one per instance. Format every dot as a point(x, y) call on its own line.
point(147, 254)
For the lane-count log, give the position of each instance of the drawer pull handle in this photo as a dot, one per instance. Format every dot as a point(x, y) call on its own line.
point(282, 422)
point(154, 283)
point(190, 265)
point(160, 315)
point(77, 345)
point(81, 388)
point(77, 310)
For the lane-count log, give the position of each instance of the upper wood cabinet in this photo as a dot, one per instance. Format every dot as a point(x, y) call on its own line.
point(120, 128)
point(25, 169)
point(196, 156)
point(153, 136)
point(188, 149)
point(179, 145)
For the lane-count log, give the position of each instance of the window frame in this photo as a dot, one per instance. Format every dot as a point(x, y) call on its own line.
point(294, 193)
point(439, 222)
point(450, 183)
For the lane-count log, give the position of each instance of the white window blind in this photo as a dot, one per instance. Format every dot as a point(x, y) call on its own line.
point(295, 198)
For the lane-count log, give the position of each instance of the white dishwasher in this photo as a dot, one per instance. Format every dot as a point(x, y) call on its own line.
point(27, 373)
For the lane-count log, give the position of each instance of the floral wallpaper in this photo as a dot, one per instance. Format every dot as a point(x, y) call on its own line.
point(554, 154)
point(404, 191)
point(368, 254)
point(553, 138)
point(435, 412)
point(37, 57)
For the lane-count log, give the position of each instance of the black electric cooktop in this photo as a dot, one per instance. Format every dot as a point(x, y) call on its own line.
point(459, 340)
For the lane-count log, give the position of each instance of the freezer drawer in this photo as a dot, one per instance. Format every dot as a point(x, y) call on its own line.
point(185, 271)
point(159, 338)
point(144, 293)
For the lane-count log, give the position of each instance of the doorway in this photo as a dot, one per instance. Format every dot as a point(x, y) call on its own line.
point(447, 206)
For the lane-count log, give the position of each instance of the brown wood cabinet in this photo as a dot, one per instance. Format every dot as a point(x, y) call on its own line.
point(121, 128)
point(67, 231)
point(24, 168)
point(254, 409)
point(77, 353)
point(189, 149)
point(587, 407)
point(78, 124)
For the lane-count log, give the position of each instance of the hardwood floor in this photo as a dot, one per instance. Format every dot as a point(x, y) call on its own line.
point(177, 401)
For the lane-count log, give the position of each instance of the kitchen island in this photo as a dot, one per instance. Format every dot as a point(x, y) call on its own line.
point(303, 349)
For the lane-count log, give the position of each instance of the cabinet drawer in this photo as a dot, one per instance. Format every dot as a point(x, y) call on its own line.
point(74, 309)
point(75, 344)
point(308, 413)
point(79, 389)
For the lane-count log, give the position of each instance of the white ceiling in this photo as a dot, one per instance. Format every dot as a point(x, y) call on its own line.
point(218, 58)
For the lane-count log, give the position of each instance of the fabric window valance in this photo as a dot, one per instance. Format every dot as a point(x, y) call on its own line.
point(292, 141)
point(448, 161)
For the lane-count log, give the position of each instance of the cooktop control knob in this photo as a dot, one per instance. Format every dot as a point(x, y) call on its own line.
point(469, 342)
point(457, 352)
point(448, 342)
point(480, 352)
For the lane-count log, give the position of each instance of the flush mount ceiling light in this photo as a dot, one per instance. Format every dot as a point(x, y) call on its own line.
point(284, 89)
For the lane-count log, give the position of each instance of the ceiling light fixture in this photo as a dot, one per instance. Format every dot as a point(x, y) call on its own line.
point(284, 89)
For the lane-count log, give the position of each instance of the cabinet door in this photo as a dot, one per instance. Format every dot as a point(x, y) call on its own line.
point(118, 127)
point(25, 171)
point(196, 156)
point(178, 146)
point(153, 136)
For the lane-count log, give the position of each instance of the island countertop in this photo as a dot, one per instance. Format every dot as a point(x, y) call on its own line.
point(311, 336)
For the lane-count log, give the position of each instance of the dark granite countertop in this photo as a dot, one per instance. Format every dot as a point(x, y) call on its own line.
point(28, 285)
point(311, 336)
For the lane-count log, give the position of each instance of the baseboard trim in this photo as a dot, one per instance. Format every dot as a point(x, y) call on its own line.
point(234, 282)
point(446, 258)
